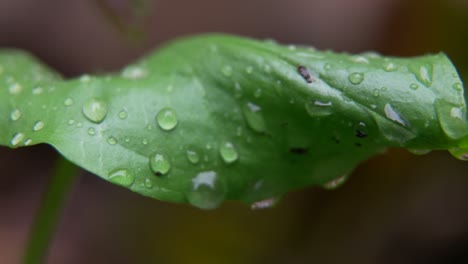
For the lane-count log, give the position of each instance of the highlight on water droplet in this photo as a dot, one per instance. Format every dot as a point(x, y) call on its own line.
point(193, 156)
point(167, 119)
point(123, 177)
point(356, 78)
point(17, 139)
point(95, 110)
point(15, 115)
point(134, 72)
point(207, 191)
point(264, 204)
point(335, 183)
point(393, 115)
point(319, 108)
point(28, 142)
point(254, 117)
point(228, 152)
point(39, 125)
point(390, 66)
point(159, 164)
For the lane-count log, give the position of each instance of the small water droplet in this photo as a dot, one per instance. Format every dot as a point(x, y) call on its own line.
point(17, 139)
point(267, 68)
point(390, 66)
point(15, 115)
point(79, 124)
point(335, 183)
point(249, 69)
point(376, 92)
point(127, 139)
point(457, 86)
point(327, 66)
point(68, 102)
point(239, 131)
point(227, 71)
point(459, 153)
point(419, 151)
point(39, 125)
point(414, 86)
point(319, 108)
point(393, 115)
point(122, 177)
point(71, 122)
point(91, 131)
point(167, 119)
point(85, 78)
point(237, 90)
point(28, 142)
point(134, 72)
point(254, 117)
point(112, 141)
point(264, 204)
point(361, 130)
point(207, 191)
point(15, 88)
point(148, 183)
point(228, 152)
point(144, 141)
point(360, 59)
point(95, 110)
point(159, 164)
point(123, 114)
point(258, 93)
point(356, 78)
point(192, 156)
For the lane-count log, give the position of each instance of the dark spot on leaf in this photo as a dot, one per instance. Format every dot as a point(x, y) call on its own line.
point(361, 134)
point(158, 173)
point(358, 145)
point(305, 73)
point(299, 150)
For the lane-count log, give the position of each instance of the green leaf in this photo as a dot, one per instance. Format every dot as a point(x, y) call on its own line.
point(218, 117)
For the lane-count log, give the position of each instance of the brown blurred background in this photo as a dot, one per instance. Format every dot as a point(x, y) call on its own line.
point(396, 208)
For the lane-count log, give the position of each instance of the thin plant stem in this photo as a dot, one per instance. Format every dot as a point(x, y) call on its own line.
point(49, 212)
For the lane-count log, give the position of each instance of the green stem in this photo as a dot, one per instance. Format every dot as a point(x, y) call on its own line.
point(49, 211)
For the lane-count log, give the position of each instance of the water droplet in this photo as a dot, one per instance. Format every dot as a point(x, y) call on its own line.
point(144, 141)
point(91, 131)
point(112, 141)
point(28, 142)
point(239, 131)
point(414, 86)
point(264, 204)
point(15, 115)
point(452, 119)
point(227, 71)
point(122, 177)
point(134, 72)
point(327, 66)
point(71, 122)
point(160, 164)
point(393, 115)
point(360, 59)
point(95, 110)
point(425, 75)
point(456, 112)
point(68, 102)
point(390, 66)
point(419, 151)
point(148, 183)
point(376, 92)
point(356, 78)
point(167, 119)
point(361, 130)
point(258, 93)
point(123, 114)
point(228, 152)
point(79, 124)
point(207, 191)
point(85, 78)
point(15, 88)
point(17, 139)
point(319, 108)
point(127, 139)
point(459, 153)
point(249, 70)
point(457, 86)
point(39, 125)
point(37, 90)
point(254, 117)
point(267, 68)
point(335, 183)
point(192, 156)
point(237, 90)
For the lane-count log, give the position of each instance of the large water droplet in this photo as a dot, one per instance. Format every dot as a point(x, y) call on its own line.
point(356, 78)
point(167, 119)
point(319, 108)
point(122, 177)
point(422, 73)
point(228, 152)
point(159, 164)
point(39, 125)
point(192, 156)
point(264, 204)
point(459, 153)
point(15, 115)
point(452, 119)
point(335, 183)
point(393, 115)
point(254, 117)
point(207, 191)
point(17, 139)
point(95, 110)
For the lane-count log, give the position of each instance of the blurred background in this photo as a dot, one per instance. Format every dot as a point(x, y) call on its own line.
point(396, 208)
